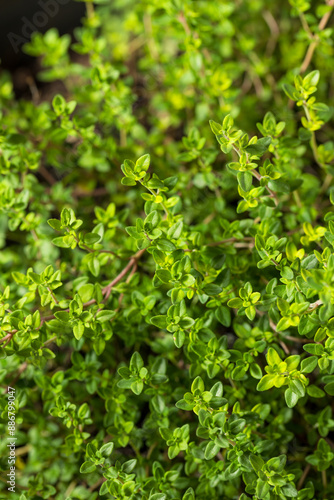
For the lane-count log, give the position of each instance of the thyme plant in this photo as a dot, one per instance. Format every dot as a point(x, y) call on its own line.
point(166, 232)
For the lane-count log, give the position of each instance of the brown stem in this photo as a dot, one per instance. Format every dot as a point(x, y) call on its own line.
point(310, 51)
point(272, 194)
point(107, 290)
point(23, 450)
point(17, 485)
point(295, 339)
point(121, 297)
point(90, 9)
point(324, 479)
point(326, 16)
point(302, 479)
point(8, 337)
point(77, 193)
point(53, 295)
point(97, 484)
point(256, 173)
point(305, 25)
point(314, 305)
point(21, 369)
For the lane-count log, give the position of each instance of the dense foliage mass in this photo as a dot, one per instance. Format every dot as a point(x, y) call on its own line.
point(167, 233)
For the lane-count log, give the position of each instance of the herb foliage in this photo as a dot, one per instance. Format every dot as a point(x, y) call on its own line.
point(166, 223)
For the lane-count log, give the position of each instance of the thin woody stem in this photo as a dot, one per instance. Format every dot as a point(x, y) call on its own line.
point(22, 368)
point(106, 292)
point(321, 26)
point(229, 240)
point(304, 476)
